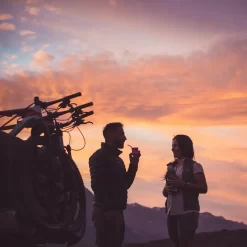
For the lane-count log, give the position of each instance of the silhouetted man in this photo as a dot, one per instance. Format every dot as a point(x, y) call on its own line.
point(110, 182)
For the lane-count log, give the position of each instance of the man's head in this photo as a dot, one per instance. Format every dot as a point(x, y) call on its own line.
point(114, 134)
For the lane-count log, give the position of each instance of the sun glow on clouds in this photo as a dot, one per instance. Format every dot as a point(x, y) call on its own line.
point(7, 26)
point(34, 11)
point(5, 16)
point(26, 32)
point(52, 8)
point(133, 67)
point(113, 2)
point(41, 57)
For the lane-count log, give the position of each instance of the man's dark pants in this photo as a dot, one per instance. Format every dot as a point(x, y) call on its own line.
point(109, 231)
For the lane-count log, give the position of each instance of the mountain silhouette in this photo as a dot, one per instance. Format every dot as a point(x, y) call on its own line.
point(144, 224)
point(150, 223)
point(224, 238)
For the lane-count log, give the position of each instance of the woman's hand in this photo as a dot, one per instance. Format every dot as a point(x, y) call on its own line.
point(165, 192)
point(169, 190)
point(176, 183)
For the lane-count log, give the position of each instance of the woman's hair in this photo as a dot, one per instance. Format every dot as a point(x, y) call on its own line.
point(186, 146)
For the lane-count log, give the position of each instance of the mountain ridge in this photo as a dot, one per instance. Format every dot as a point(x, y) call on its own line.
point(145, 224)
point(223, 238)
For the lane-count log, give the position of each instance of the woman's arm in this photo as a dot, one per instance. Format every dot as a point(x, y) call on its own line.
point(168, 190)
point(165, 192)
point(200, 186)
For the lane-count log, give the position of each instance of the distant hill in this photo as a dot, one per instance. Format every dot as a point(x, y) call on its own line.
point(144, 224)
point(150, 223)
point(224, 238)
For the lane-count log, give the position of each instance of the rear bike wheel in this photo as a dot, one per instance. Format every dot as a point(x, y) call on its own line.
point(77, 228)
point(68, 206)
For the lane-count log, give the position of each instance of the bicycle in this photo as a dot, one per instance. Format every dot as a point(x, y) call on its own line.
point(58, 188)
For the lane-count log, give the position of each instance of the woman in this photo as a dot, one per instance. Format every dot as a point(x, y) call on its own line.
point(182, 191)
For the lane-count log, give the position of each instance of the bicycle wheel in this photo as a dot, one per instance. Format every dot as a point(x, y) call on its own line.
point(24, 210)
point(77, 227)
point(66, 203)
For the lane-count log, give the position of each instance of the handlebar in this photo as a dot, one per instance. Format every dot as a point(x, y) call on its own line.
point(83, 106)
point(10, 113)
point(80, 120)
point(37, 102)
point(76, 110)
point(64, 99)
point(57, 114)
point(76, 121)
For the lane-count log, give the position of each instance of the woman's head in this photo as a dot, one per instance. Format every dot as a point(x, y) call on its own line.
point(182, 147)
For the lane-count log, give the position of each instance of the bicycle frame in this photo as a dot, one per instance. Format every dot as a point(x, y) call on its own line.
point(51, 151)
point(32, 114)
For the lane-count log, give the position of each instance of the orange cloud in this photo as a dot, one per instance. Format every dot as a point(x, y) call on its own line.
point(23, 19)
point(7, 26)
point(52, 8)
point(5, 16)
point(155, 146)
point(34, 11)
point(113, 2)
point(32, 1)
point(25, 47)
point(11, 69)
point(11, 57)
point(203, 90)
point(203, 95)
point(26, 32)
point(41, 57)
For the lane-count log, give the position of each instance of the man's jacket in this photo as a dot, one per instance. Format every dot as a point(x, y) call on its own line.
point(109, 178)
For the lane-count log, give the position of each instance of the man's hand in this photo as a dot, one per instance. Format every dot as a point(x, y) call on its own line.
point(175, 183)
point(134, 158)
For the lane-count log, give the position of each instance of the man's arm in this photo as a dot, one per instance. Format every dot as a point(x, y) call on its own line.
point(101, 181)
point(130, 175)
point(133, 167)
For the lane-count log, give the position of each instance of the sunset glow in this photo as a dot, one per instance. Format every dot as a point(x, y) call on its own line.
point(162, 67)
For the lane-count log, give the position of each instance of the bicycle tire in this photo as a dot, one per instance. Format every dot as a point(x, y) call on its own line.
point(17, 156)
point(77, 228)
point(74, 224)
point(30, 212)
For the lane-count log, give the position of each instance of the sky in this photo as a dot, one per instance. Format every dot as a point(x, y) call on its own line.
point(161, 67)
